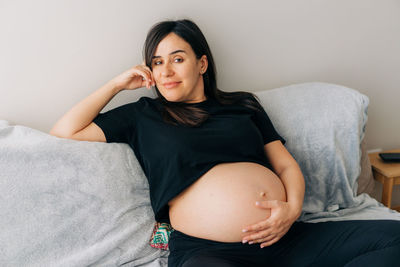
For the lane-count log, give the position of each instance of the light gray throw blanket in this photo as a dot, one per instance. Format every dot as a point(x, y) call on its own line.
point(71, 203)
point(324, 125)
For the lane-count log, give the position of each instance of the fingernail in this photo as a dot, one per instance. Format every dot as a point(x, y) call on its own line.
point(244, 230)
point(251, 242)
point(257, 203)
point(244, 241)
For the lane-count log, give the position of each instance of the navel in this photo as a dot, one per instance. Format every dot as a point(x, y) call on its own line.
point(262, 194)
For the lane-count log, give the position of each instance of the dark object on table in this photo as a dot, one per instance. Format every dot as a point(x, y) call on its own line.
point(390, 157)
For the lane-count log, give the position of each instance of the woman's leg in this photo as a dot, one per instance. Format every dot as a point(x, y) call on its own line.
point(208, 260)
point(386, 257)
point(345, 243)
point(188, 251)
point(336, 243)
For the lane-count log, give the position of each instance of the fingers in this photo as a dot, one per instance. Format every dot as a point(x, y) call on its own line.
point(256, 236)
point(256, 227)
point(272, 229)
point(147, 75)
point(267, 238)
point(135, 77)
point(272, 239)
point(268, 204)
point(272, 220)
point(264, 240)
point(270, 242)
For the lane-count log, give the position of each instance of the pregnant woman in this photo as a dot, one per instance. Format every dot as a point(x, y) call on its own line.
point(218, 170)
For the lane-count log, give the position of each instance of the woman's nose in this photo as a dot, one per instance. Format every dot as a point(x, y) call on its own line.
point(167, 70)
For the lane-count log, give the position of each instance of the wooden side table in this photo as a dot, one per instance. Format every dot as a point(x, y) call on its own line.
point(388, 174)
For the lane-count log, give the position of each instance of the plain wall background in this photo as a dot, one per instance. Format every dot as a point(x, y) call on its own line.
point(53, 53)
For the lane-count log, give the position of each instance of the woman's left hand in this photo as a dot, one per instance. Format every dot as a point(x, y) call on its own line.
point(269, 231)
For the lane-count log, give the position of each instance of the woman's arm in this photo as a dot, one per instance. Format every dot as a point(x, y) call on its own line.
point(283, 214)
point(78, 124)
point(289, 172)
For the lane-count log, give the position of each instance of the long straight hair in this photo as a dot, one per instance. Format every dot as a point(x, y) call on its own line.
point(176, 112)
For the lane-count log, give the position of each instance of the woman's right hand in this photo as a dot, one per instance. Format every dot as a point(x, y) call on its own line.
point(136, 77)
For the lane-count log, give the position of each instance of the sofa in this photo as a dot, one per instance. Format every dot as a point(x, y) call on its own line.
point(76, 203)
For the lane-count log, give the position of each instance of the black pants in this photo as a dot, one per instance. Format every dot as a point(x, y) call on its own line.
point(341, 243)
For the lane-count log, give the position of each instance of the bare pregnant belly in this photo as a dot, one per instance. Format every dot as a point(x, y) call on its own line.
point(222, 202)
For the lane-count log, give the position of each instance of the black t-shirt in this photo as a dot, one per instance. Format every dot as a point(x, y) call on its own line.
point(173, 157)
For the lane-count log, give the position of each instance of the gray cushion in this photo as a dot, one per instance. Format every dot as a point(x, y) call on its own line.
point(71, 203)
point(323, 125)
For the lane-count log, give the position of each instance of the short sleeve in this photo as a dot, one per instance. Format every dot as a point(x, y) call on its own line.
point(264, 124)
point(117, 124)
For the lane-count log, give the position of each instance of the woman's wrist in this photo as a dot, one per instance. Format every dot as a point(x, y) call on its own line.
point(113, 87)
point(296, 209)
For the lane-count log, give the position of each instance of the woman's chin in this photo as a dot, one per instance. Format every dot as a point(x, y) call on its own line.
point(172, 98)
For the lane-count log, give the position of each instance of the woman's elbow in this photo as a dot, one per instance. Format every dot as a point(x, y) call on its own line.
point(61, 134)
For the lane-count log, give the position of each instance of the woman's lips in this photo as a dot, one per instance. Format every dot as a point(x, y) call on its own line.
point(171, 85)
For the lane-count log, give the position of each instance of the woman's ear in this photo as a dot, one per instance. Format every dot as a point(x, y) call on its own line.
point(203, 64)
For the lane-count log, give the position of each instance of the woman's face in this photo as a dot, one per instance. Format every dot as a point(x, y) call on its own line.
point(177, 71)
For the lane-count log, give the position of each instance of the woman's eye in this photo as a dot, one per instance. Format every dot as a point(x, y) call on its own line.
point(178, 59)
point(157, 62)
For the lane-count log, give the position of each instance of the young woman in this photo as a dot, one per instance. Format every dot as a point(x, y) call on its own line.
point(218, 171)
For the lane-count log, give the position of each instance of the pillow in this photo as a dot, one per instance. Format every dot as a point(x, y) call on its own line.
point(72, 203)
point(323, 125)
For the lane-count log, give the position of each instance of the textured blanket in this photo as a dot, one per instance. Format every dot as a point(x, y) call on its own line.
point(324, 125)
point(71, 203)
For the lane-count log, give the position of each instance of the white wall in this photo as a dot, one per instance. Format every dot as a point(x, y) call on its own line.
point(55, 52)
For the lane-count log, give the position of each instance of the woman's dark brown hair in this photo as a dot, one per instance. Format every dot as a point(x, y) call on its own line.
point(178, 113)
